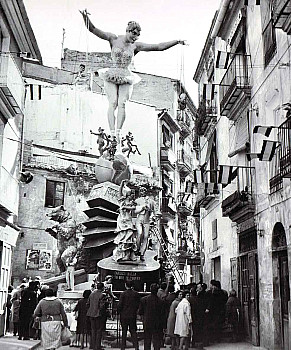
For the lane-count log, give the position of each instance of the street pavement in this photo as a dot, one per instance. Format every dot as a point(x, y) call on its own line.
point(226, 346)
point(9, 342)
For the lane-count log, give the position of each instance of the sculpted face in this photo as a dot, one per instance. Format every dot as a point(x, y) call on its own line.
point(132, 35)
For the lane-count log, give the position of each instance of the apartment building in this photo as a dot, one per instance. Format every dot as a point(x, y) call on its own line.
point(244, 136)
point(17, 43)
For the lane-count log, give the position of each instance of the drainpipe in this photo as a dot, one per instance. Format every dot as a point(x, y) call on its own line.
point(222, 10)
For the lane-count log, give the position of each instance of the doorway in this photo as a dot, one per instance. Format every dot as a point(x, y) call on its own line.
point(281, 287)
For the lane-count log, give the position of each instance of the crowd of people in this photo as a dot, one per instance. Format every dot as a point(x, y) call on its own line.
point(194, 316)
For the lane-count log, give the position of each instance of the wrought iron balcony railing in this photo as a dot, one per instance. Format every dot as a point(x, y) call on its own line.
point(184, 162)
point(185, 122)
point(284, 134)
point(269, 40)
point(239, 205)
point(281, 163)
point(281, 14)
point(207, 113)
point(235, 83)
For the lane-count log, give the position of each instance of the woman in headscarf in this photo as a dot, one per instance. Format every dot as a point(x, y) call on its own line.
point(51, 312)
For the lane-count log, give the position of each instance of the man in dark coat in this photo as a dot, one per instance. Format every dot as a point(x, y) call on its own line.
point(152, 308)
point(216, 311)
point(27, 306)
point(127, 308)
point(97, 313)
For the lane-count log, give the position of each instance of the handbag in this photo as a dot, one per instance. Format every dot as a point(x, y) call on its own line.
point(66, 336)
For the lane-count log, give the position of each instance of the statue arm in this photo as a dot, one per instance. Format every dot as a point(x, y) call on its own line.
point(98, 32)
point(157, 47)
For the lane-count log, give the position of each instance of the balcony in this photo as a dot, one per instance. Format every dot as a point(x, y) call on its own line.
point(205, 196)
point(235, 87)
point(9, 192)
point(282, 15)
point(207, 114)
point(239, 205)
point(285, 148)
point(269, 40)
point(183, 208)
point(11, 85)
point(185, 123)
point(184, 163)
point(168, 158)
point(168, 209)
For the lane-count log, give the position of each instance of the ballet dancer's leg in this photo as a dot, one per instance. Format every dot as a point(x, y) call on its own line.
point(124, 94)
point(111, 91)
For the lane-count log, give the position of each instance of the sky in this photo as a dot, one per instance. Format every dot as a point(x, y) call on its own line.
point(160, 20)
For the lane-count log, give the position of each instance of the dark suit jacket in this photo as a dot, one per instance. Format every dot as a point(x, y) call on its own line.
point(96, 303)
point(152, 308)
point(128, 304)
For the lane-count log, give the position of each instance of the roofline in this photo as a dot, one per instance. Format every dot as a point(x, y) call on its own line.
point(17, 18)
point(207, 44)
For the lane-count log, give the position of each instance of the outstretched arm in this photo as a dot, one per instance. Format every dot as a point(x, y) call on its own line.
point(98, 32)
point(157, 47)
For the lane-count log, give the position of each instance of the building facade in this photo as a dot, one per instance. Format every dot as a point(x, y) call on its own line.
point(17, 43)
point(52, 149)
point(244, 137)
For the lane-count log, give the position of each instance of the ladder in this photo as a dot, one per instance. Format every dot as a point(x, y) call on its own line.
point(170, 260)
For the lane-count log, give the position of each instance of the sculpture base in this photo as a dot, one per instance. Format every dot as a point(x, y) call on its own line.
point(142, 273)
point(137, 266)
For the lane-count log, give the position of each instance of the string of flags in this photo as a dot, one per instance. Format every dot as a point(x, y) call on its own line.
point(222, 59)
point(208, 91)
point(258, 2)
point(264, 130)
point(267, 152)
point(268, 148)
point(35, 91)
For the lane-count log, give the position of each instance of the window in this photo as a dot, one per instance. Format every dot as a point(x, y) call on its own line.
point(214, 234)
point(54, 195)
point(167, 137)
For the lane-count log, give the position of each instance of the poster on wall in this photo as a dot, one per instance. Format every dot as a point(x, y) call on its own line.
point(45, 259)
point(32, 259)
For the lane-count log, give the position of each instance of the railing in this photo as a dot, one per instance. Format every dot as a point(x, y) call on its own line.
point(185, 122)
point(206, 113)
point(11, 82)
point(280, 166)
point(185, 158)
point(236, 77)
point(284, 134)
point(168, 206)
point(281, 11)
point(9, 191)
point(269, 40)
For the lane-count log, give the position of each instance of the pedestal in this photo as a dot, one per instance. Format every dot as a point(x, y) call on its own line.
point(143, 273)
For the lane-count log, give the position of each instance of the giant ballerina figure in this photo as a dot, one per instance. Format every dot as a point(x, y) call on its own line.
point(119, 79)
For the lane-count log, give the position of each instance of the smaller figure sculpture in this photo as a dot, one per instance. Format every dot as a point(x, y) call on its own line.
point(66, 232)
point(130, 147)
point(102, 140)
point(82, 78)
point(69, 259)
point(112, 148)
point(126, 237)
point(144, 210)
point(182, 101)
